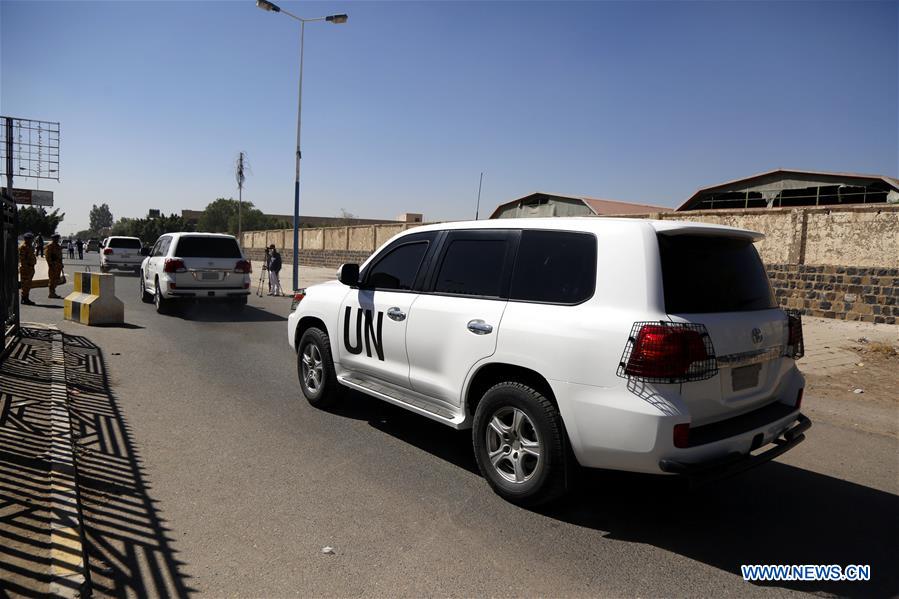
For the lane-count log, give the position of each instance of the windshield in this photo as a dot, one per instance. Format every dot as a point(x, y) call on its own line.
point(705, 274)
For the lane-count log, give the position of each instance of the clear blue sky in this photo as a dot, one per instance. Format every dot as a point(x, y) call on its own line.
point(406, 103)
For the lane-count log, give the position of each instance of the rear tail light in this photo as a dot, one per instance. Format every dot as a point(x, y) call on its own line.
point(795, 344)
point(682, 435)
point(243, 266)
point(107, 251)
point(174, 265)
point(668, 352)
point(298, 296)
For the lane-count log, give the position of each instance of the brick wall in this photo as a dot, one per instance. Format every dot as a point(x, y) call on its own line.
point(844, 292)
point(323, 258)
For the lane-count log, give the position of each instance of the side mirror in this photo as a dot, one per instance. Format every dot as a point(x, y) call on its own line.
point(145, 251)
point(348, 274)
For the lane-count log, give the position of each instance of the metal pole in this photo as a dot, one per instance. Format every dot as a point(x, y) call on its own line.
point(239, 198)
point(478, 207)
point(9, 164)
point(296, 184)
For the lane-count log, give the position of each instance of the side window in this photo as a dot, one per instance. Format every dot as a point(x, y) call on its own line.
point(398, 267)
point(162, 246)
point(155, 251)
point(554, 267)
point(473, 267)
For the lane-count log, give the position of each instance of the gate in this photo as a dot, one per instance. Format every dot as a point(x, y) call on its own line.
point(9, 285)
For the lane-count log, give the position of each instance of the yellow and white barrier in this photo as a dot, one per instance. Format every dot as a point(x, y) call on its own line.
point(93, 301)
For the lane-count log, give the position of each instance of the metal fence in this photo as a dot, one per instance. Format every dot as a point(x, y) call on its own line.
point(9, 276)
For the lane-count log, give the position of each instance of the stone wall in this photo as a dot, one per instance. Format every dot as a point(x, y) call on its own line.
point(834, 261)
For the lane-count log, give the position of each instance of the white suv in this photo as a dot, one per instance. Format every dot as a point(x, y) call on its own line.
point(195, 266)
point(647, 346)
point(123, 253)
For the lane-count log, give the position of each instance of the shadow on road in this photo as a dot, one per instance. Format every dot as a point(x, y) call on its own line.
point(219, 312)
point(128, 546)
point(775, 514)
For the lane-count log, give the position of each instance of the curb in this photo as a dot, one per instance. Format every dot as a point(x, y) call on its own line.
point(67, 564)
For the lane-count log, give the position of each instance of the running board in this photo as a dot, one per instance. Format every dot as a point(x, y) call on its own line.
point(404, 398)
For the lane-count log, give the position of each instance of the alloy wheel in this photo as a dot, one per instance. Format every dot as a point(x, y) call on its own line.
point(513, 445)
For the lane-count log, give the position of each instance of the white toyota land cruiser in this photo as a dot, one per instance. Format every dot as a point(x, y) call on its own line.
point(647, 346)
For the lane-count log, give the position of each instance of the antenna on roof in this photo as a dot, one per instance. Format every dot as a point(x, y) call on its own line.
point(477, 208)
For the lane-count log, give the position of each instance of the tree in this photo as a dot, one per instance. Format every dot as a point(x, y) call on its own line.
point(218, 215)
point(38, 221)
point(100, 218)
point(148, 230)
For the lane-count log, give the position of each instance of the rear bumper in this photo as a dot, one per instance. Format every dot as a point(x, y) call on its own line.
point(735, 463)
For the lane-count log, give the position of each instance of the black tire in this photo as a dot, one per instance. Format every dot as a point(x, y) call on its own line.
point(325, 391)
point(541, 479)
point(145, 296)
point(162, 304)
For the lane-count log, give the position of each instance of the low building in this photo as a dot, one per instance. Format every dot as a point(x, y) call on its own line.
point(286, 220)
point(541, 204)
point(789, 188)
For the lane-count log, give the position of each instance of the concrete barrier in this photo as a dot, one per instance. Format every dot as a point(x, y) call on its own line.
point(93, 301)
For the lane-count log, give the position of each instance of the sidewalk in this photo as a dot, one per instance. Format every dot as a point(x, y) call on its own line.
point(39, 521)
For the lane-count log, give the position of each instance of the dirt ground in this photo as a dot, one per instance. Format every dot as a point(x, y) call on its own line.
point(863, 395)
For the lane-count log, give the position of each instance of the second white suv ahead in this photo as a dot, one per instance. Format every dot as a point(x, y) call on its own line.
point(647, 346)
point(123, 253)
point(195, 266)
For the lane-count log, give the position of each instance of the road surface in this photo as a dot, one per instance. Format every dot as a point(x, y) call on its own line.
point(239, 484)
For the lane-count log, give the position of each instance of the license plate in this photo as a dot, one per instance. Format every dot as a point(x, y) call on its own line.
point(745, 377)
point(209, 276)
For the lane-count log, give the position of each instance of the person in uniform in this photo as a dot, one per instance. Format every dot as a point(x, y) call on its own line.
point(39, 245)
point(54, 264)
point(27, 260)
point(79, 245)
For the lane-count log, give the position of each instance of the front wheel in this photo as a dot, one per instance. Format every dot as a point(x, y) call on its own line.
point(518, 443)
point(315, 368)
point(145, 296)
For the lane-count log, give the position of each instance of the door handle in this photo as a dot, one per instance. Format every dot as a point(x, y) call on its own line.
point(396, 314)
point(479, 327)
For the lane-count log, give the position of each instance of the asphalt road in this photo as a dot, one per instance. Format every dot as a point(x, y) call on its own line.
point(248, 483)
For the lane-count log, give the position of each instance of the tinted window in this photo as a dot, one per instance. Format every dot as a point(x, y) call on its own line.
point(554, 267)
point(124, 243)
point(713, 274)
point(207, 247)
point(472, 267)
point(162, 246)
point(397, 269)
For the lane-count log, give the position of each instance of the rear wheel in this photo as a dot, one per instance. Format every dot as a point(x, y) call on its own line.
point(315, 368)
point(162, 304)
point(518, 444)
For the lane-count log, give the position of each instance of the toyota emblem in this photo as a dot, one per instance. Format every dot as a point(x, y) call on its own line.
point(757, 336)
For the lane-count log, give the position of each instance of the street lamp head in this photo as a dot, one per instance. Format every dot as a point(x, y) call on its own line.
point(267, 6)
point(336, 19)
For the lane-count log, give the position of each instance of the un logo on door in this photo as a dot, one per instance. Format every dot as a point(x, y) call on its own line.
point(757, 335)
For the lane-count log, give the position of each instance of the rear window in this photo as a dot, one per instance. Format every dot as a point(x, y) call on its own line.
point(121, 242)
point(554, 267)
point(713, 274)
point(207, 247)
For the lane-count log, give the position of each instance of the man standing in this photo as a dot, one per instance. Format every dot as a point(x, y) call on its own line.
point(27, 261)
point(274, 267)
point(54, 265)
point(70, 247)
point(39, 245)
point(79, 245)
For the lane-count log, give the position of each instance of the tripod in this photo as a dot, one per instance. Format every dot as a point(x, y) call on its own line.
point(263, 278)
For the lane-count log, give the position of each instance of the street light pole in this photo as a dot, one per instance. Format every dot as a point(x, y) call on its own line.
point(296, 182)
point(336, 19)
